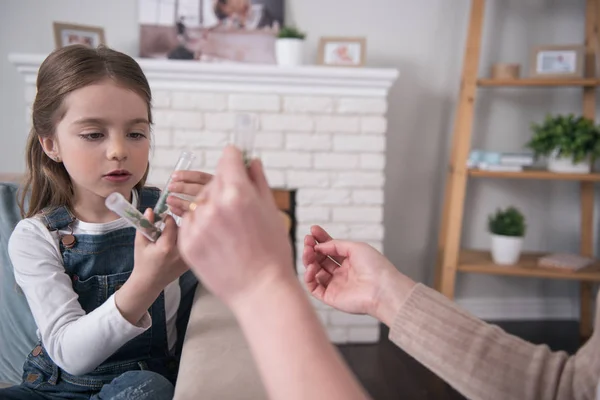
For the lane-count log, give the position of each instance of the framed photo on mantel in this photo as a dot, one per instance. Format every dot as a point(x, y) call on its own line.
point(67, 34)
point(342, 51)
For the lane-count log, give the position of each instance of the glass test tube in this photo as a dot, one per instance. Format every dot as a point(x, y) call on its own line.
point(246, 125)
point(185, 162)
point(117, 203)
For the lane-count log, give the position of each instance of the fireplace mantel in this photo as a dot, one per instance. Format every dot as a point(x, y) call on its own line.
point(247, 78)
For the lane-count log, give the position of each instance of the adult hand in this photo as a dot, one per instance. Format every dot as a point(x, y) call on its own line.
point(186, 183)
point(235, 240)
point(353, 276)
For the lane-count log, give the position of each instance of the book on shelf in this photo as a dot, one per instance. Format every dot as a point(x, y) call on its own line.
point(499, 161)
point(500, 168)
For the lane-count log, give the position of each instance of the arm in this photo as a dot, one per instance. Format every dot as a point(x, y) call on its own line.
point(478, 359)
point(256, 280)
point(483, 362)
point(65, 328)
point(291, 349)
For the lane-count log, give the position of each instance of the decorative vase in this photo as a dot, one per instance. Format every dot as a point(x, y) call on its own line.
point(566, 165)
point(289, 51)
point(506, 250)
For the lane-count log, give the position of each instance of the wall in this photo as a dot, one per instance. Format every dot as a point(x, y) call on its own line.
point(425, 40)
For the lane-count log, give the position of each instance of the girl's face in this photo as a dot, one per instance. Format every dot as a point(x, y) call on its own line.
point(103, 139)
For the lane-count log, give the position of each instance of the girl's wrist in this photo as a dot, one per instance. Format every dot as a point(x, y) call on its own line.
point(144, 284)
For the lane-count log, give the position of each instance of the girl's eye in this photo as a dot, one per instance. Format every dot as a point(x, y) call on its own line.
point(91, 136)
point(137, 135)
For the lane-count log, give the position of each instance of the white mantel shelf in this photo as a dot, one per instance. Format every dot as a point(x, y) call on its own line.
point(244, 78)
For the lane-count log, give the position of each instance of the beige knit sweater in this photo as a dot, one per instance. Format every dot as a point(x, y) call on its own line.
point(483, 362)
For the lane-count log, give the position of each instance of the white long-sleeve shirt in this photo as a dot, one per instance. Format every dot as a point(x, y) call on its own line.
point(77, 342)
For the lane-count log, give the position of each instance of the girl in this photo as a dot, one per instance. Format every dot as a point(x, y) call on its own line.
point(110, 306)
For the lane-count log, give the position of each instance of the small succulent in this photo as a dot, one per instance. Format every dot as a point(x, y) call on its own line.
point(290, 32)
point(508, 222)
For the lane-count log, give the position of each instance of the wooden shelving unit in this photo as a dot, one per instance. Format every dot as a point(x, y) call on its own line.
point(533, 174)
point(538, 82)
point(452, 258)
point(480, 262)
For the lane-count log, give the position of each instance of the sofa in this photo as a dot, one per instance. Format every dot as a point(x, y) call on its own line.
point(216, 362)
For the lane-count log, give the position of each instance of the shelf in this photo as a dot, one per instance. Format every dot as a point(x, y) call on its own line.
point(534, 174)
point(539, 82)
point(481, 262)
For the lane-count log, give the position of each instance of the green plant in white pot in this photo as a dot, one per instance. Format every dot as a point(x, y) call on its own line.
point(570, 143)
point(507, 228)
point(289, 47)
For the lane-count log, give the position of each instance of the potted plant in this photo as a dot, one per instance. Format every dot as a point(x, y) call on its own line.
point(570, 143)
point(507, 228)
point(289, 47)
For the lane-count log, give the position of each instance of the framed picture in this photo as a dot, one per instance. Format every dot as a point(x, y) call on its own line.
point(342, 52)
point(218, 31)
point(68, 34)
point(557, 62)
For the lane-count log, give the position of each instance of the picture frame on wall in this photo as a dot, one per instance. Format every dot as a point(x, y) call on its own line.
point(66, 34)
point(342, 51)
point(557, 62)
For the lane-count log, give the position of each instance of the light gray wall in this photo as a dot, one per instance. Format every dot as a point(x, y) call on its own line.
point(425, 41)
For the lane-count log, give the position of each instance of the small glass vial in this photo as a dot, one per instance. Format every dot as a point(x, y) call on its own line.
point(119, 205)
point(185, 162)
point(246, 125)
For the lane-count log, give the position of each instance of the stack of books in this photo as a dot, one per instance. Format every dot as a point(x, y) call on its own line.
point(499, 161)
point(565, 262)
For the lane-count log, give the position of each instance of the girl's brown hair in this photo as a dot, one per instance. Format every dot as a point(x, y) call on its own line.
point(63, 71)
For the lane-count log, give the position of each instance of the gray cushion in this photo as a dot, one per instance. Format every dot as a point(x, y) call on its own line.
point(17, 327)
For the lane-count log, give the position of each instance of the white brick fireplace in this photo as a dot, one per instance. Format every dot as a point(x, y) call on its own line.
point(322, 132)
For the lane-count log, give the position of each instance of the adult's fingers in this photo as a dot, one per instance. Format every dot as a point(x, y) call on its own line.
point(257, 174)
point(335, 248)
point(231, 167)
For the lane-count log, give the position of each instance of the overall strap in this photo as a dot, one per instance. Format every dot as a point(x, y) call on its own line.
point(57, 218)
point(148, 198)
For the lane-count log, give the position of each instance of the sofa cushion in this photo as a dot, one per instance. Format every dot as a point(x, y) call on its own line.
point(216, 362)
point(17, 326)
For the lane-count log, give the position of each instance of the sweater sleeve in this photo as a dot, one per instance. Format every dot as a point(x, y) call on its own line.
point(481, 361)
point(65, 329)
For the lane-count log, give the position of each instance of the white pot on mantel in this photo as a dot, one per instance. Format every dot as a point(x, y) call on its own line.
point(506, 250)
point(566, 165)
point(289, 51)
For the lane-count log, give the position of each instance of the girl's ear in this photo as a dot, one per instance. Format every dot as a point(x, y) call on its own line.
point(50, 147)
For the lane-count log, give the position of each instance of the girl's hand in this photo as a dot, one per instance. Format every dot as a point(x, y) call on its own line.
point(158, 263)
point(155, 266)
point(186, 183)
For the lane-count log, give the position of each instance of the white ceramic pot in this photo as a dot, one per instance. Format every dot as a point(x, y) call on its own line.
point(506, 250)
point(289, 52)
point(566, 165)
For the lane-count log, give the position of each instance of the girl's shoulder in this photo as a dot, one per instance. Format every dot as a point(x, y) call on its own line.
point(32, 227)
point(31, 239)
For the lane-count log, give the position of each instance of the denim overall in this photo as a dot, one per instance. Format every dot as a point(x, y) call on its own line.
point(98, 266)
